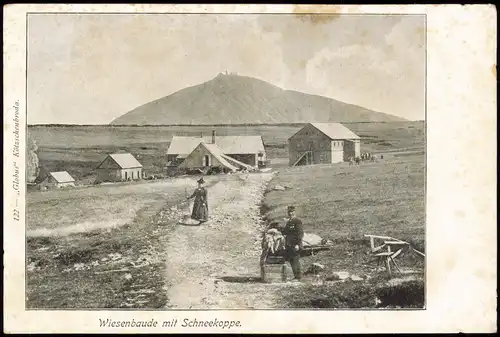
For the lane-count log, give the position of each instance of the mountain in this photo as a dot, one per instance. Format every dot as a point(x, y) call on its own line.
point(234, 99)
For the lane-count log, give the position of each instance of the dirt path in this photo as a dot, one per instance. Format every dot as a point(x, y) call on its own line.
point(216, 265)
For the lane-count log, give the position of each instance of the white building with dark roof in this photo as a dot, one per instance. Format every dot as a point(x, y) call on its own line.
point(240, 150)
point(323, 143)
point(119, 167)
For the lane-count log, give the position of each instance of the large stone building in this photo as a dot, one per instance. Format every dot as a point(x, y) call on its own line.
point(323, 143)
point(119, 167)
point(247, 150)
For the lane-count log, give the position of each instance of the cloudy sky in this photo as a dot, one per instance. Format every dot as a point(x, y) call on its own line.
point(90, 69)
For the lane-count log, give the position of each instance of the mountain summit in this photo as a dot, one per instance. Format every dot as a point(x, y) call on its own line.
point(234, 99)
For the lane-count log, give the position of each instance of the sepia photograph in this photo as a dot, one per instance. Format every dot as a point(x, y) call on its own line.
point(249, 168)
point(225, 161)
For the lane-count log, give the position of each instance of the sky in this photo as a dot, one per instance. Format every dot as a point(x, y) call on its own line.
point(91, 69)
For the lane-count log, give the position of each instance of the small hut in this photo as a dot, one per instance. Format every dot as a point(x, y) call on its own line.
point(57, 180)
point(119, 167)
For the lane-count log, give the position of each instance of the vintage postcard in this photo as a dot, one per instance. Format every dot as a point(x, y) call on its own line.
point(249, 168)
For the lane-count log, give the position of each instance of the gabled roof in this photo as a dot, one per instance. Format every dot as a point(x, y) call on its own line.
point(62, 177)
point(217, 153)
point(123, 160)
point(335, 130)
point(227, 144)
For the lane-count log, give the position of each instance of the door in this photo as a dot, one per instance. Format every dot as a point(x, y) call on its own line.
point(206, 160)
point(309, 157)
point(310, 153)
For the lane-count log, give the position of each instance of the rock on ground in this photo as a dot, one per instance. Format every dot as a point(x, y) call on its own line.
point(356, 278)
point(342, 275)
point(311, 239)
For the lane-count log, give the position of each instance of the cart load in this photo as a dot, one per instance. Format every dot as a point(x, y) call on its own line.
point(272, 259)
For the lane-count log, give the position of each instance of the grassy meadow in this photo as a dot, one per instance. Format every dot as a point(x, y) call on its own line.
point(342, 203)
point(91, 226)
point(384, 198)
point(79, 149)
point(77, 210)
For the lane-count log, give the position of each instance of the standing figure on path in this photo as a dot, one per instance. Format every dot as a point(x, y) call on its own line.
point(294, 233)
point(200, 207)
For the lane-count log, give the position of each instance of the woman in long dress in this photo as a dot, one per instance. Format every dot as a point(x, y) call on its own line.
point(200, 207)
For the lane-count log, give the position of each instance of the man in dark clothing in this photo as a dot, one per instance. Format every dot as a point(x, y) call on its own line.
point(294, 233)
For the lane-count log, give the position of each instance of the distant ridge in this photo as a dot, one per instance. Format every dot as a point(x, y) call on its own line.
point(233, 99)
point(54, 125)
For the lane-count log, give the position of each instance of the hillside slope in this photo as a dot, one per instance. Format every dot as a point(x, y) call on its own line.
point(233, 99)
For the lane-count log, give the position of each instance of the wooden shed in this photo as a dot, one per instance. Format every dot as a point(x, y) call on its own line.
point(323, 143)
point(119, 167)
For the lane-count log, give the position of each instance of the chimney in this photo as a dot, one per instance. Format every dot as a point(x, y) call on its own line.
point(213, 136)
point(201, 134)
